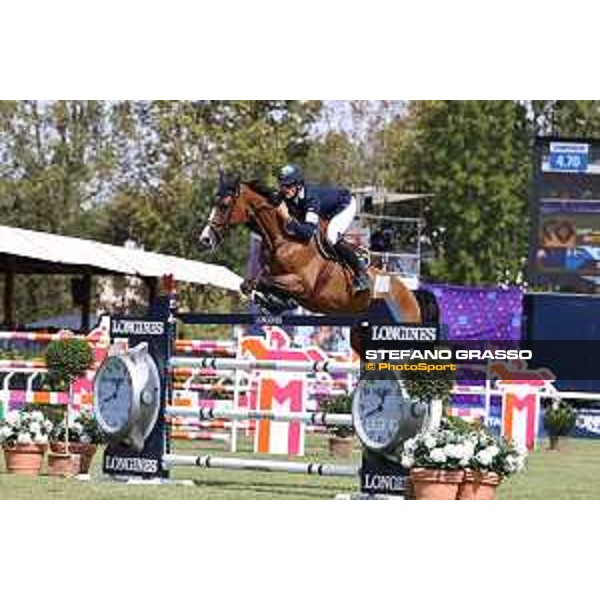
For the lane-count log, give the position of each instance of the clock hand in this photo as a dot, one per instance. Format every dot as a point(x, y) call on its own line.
point(377, 409)
point(108, 398)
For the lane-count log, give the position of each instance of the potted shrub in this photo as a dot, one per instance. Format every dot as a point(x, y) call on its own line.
point(67, 359)
point(437, 460)
point(493, 460)
point(341, 440)
point(24, 438)
point(559, 420)
point(435, 389)
point(84, 435)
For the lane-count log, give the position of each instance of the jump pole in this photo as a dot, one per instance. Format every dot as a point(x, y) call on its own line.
point(310, 418)
point(153, 462)
point(250, 364)
point(269, 466)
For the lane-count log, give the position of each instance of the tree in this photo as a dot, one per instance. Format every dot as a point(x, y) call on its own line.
point(176, 149)
point(474, 158)
point(566, 118)
point(56, 163)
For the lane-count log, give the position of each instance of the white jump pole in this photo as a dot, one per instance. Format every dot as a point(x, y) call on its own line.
point(241, 464)
point(311, 418)
point(249, 364)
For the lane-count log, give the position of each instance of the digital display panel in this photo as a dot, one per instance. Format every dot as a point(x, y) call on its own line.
point(565, 233)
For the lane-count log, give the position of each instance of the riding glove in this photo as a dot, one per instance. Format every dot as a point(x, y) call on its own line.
point(302, 231)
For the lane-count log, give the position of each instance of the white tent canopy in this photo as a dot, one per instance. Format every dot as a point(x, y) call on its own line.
point(77, 252)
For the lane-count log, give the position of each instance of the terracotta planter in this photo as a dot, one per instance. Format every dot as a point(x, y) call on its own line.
point(478, 486)
point(434, 484)
point(24, 459)
point(85, 451)
point(63, 465)
point(341, 447)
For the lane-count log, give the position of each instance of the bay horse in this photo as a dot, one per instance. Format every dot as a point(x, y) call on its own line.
point(303, 272)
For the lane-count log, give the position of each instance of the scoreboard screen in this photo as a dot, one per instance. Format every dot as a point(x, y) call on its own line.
point(565, 232)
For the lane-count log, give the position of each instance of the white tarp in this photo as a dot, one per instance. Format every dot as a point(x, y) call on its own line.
point(75, 251)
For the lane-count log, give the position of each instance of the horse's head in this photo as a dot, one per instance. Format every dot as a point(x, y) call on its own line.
point(226, 210)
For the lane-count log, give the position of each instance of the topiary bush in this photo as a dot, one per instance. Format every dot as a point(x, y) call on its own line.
point(339, 405)
point(68, 359)
point(559, 419)
point(427, 387)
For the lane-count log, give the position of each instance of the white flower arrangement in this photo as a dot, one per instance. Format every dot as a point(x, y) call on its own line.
point(440, 449)
point(496, 455)
point(83, 428)
point(24, 427)
point(454, 448)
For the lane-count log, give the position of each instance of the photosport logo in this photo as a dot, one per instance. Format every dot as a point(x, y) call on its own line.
point(420, 348)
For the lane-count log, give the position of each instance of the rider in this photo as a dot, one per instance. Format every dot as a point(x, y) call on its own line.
point(310, 202)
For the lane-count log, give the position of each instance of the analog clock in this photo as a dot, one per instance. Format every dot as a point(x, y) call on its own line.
point(113, 393)
point(384, 416)
point(127, 395)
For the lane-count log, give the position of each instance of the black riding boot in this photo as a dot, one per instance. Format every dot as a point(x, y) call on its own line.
point(348, 256)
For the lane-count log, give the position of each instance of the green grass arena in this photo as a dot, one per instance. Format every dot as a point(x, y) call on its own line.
point(571, 473)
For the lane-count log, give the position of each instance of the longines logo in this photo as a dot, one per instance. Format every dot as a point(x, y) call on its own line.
point(269, 320)
point(403, 333)
point(131, 464)
point(128, 327)
point(375, 482)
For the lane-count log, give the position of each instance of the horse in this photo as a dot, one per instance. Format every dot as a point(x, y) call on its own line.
point(305, 273)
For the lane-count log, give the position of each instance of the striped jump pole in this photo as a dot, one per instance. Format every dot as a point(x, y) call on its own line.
point(310, 418)
point(204, 436)
point(250, 364)
point(269, 466)
point(220, 347)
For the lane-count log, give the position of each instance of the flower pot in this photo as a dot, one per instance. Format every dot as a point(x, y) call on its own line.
point(341, 447)
point(435, 484)
point(85, 451)
point(24, 459)
point(63, 465)
point(466, 490)
point(478, 486)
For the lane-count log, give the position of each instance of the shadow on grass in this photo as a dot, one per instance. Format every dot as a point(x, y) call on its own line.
point(270, 488)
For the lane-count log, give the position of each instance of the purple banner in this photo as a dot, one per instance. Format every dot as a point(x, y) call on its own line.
point(470, 313)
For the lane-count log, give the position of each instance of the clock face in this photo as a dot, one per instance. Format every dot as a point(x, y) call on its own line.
point(114, 392)
point(379, 407)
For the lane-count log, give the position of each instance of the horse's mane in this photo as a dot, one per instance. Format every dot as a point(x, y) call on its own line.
point(261, 188)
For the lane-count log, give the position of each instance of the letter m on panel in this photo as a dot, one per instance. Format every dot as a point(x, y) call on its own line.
point(281, 393)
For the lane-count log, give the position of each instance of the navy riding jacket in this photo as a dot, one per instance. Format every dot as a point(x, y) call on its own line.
point(323, 201)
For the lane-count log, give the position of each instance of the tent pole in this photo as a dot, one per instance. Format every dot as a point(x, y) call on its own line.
point(86, 305)
point(9, 289)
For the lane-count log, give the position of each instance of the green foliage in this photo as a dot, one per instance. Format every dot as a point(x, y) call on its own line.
point(559, 418)
point(83, 428)
point(474, 158)
point(427, 387)
point(144, 171)
point(340, 405)
point(68, 359)
point(566, 118)
point(57, 162)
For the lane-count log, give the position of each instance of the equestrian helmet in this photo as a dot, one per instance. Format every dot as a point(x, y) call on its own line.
point(290, 175)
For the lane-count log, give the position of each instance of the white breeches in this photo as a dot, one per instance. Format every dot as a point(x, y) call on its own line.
point(340, 223)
